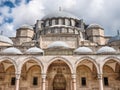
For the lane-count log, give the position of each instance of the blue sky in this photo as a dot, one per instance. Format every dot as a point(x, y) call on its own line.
point(10, 4)
point(15, 13)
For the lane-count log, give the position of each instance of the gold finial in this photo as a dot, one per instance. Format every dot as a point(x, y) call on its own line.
point(59, 8)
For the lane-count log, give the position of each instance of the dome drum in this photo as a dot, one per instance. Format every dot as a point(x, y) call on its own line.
point(60, 29)
point(60, 21)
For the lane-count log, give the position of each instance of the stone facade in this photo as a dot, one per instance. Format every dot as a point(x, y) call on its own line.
point(60, 52)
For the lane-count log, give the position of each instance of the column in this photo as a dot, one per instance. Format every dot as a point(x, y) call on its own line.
point(74, 81)
point(17, 81)
point(43, 81)
point(100, 81)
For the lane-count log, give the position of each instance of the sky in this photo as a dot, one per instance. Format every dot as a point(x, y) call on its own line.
point(15, 13)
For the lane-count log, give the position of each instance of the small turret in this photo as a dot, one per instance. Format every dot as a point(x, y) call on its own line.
point(24, 34)
point(95, 33)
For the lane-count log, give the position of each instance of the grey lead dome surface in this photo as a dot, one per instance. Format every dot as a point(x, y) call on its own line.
point(106, 49)
point(11, 50)
point(6, 39)
point(34, 50)
point(94, 25)
point(115, 38)
point(58, 44)
point(26, 26)
point(83, 50)
point(60, 14)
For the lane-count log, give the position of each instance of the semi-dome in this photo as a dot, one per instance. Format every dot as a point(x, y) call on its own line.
point(83, 50)
point(6, 39)
point(94, 26)
point(34, 50)
point(58, 44)
point(60, 14)
point(12, 50)
point(106, 49)
point(26, 26)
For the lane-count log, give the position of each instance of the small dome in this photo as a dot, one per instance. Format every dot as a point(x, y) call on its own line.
point(94, 26)
point(58, 44)
point(114, 39)
point(83, 50)
point(6, 39)
point(12, 50)
point(27, 26)
point(34, 50)
point(60, 14)
point(106, 49)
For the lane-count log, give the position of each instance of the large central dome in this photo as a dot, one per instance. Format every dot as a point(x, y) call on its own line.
point(60, 14)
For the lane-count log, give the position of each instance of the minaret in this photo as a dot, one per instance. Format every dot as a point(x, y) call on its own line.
point(118, 32)
point(1, 33)
point(60, 9)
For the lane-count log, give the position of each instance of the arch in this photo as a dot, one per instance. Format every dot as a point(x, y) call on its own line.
point(108, 67)
point(11, 60)
point(33, 67)
point(34, 59)
point(9, 68)
point(62, 59)
point(110, 58)
point(85, 67)
point(89, 59)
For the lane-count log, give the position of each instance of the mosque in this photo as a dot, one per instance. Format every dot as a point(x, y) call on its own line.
point(60, 52)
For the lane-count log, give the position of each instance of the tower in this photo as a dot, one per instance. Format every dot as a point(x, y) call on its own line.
point(95, 33)
point(24, 34)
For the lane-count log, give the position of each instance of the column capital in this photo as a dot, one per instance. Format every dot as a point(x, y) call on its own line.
point(99, 76)
point(17, 76)
point(44, 75)
point(73, 75)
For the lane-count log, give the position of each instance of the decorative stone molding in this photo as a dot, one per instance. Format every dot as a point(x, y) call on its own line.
point(74, 75)
point(44, 75)
point(17, 76)
point(99, 76)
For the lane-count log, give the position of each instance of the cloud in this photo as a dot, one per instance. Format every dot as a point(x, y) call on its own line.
point(4, 11)
point(21, 14)
point(105, 13)
point(1, 20)
point(8, 29)
point(27, 14)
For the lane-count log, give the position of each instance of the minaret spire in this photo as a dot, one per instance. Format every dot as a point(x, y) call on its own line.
point(1, 33)
point(60, 8)
point(118, 33)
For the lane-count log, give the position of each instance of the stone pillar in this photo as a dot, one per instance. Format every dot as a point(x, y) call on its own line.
point(74, 81)
point(43, 81)
point(17, 81)
point(100, 81)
